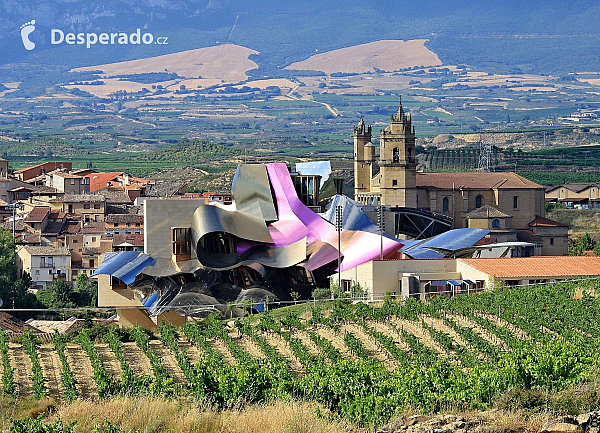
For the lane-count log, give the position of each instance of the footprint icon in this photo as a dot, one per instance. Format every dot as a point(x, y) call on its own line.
point(26, 30)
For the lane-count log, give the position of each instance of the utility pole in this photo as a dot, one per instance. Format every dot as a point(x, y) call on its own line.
point(381, 223)
point(338, 227)
point(14, 207)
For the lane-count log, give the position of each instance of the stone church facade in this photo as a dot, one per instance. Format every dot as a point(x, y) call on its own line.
point(392, 180)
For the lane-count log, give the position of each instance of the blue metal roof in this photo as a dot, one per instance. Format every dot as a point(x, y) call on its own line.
point(452, 240)
point(125, 265)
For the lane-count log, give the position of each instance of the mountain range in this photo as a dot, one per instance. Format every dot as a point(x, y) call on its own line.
point(546, 37)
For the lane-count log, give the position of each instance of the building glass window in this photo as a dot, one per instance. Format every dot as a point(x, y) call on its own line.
point(478, 201)
point(396, 155)
point(515, 202)
point(445, 204)
point(86, 205)
point(496, 224)
point(394, 182)
point(181, 241)
point(96, 205)
point(551, 241)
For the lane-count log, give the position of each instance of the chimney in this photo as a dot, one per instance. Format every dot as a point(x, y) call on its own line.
point(339, 183)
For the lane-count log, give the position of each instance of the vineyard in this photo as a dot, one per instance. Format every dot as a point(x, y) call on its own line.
point(361, 363)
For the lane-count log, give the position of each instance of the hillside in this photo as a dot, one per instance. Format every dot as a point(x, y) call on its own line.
point(224, 62)
point(365, 364)
point(192, 151)
point(381, 55)
point(544, 37)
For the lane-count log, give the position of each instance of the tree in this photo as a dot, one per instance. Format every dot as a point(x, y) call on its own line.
point(8, 269)
point(57, 295)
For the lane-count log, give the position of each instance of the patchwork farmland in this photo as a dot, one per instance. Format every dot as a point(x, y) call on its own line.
point(361, 362)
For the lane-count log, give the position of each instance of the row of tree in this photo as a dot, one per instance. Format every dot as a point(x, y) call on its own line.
point(14, 290)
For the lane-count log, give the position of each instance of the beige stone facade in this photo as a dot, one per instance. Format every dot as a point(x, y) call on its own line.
point(452, 194)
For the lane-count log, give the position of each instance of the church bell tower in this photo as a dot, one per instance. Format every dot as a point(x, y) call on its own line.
point(363, 158)
point(398, 163)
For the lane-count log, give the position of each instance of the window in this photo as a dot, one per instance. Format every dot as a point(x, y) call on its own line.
point(3, 184)
point(93, 238)
point(37, 271)
point(50, 261)
point(496, 224)
point(86, 206)
point(72, 181)
point(180, 240)
point(74, 241)
point(91, 263)
point(115, 224)
point(445, 204)
point(551, 241)
point(515, 202)
point(394, 182)
point(395, 155)
point(128, 224)
point(96, 205)
point(478, 201)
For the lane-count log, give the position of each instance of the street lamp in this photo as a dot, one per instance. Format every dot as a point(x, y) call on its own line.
point(381, 223)
point(14, 207)
point(338, 227)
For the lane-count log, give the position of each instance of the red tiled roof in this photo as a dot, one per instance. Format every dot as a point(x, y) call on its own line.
point(37, 214)
point(71, 228)
point(540, 221)
point(474, 180)
point(537, 267)
point(486, 241)
point(57, 215)
point(137, 240)
point(528, 236)
point(100, 180)
point(93, 228)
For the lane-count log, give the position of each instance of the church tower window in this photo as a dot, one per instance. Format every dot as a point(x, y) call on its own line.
point(478, 201)
point(396, 155)
point(445, 204)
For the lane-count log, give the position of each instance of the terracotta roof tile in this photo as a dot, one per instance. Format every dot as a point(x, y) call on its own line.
point(537, 267)
point(474, 180)
point(37, 214)
point(487, 211)
point(540, 221)
point(93, 228)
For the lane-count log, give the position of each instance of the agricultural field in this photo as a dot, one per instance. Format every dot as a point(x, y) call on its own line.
point(361, 364)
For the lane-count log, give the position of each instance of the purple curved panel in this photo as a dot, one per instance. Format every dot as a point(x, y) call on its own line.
point(297, 221)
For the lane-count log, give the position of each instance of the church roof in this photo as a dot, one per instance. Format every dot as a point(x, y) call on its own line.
point(475, 180)
point(541, 221)
point(486, 211)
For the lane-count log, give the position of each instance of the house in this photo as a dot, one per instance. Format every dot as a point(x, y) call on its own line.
point(119, 224)
point(124, 242)
point(424, 278)
point(8, 188)
point(584, 194)
point(554, 235)
point(3, 168)
point(92, 235)
point(38, 218)
point(91, 207)
point(121, 181)
point(44, 264)
point(68, 183)
point(28, 173)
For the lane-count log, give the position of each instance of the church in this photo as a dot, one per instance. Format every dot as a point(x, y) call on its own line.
point(509, 205)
